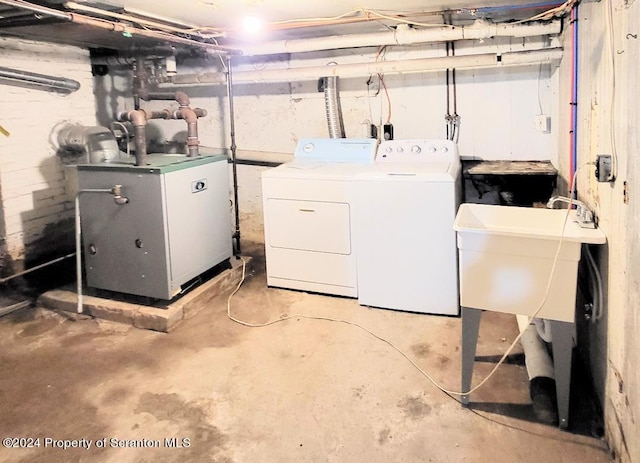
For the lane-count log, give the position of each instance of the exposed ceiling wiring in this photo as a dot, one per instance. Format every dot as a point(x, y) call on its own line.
point(380, 56)
point(556, 12)
point(612, 102)
point(193, 32)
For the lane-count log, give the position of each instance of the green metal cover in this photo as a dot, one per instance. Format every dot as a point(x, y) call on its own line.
point(157, 163)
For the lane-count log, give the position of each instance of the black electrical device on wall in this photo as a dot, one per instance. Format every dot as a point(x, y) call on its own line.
point(604, 168)
point(373, 131)
point(387, 131)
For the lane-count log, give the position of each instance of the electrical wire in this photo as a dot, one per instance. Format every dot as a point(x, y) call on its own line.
point(386, 92)
point(396, 348)
point(329, 319)
point(126, 132)
point(558, 11)
point(320, 20)
point(538, 89)
point(380, 56)
point(612, 107)
point(363, 14)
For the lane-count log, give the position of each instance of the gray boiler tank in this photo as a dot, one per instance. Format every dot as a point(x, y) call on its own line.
point(175, 226)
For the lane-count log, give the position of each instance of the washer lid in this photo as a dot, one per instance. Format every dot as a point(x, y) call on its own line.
point(303, 169)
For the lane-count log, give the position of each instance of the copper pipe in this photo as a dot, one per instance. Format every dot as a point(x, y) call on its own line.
point(138, 118)
point(118, 27)
point(191, 117)
point(182, 99)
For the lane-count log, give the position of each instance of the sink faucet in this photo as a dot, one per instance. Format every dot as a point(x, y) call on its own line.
point(584, 216)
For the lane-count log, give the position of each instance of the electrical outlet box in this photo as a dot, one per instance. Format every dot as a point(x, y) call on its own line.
point(604, 172)
point(542, 123)
point(387, 131)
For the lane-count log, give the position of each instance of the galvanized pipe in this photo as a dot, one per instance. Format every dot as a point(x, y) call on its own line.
point(59, 83)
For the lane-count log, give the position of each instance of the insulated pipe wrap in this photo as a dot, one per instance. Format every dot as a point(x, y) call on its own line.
point(332, 106)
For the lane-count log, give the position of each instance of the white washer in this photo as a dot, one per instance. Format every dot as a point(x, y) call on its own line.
point(403, 219)
point(307, 203)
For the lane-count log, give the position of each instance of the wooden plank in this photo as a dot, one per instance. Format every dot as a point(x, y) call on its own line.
point(509, 168)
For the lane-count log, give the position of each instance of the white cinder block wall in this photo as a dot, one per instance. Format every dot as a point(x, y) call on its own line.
point(608, 118)
point(37, 213)
point(497, 108)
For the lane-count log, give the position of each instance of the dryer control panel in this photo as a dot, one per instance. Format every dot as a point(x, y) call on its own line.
point(359, 150)
point(417, 150)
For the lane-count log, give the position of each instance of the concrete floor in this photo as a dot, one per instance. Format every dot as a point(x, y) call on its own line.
point(297, 391)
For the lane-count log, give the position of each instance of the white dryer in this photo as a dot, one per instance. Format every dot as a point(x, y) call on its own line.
point(307, 203)
point(403, 219)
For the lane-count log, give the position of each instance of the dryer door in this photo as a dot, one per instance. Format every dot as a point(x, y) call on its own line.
point(309, 226)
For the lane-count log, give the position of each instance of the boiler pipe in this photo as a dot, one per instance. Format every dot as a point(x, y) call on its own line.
point(139, 120)
point(190, 115)
point(139, 117)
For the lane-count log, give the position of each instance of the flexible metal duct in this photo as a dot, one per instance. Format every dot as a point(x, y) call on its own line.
point(58, 83)
point(333, 109)
point(97, 142)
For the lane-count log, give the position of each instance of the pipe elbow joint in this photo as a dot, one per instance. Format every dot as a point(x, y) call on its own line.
point(137, 117)
point(182, 99)
point(188, 114)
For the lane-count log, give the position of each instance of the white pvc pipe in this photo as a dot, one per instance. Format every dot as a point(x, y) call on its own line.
point(380, 67)
point(405, 35)
point(537, 359)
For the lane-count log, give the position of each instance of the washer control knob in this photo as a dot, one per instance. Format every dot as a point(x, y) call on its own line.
point(400, 149)
point(416, 149)
point(389, 149)
point(432, 149)
point(308, 147)
point(444, 149)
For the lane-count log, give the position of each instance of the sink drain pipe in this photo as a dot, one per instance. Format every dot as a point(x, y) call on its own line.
point(542, 383)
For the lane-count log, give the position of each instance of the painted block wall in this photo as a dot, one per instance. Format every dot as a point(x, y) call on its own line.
point(37, 214)
point(608, 117)
point(497, 108)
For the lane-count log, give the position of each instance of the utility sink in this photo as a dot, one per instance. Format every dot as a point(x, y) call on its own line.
point(506, 257)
